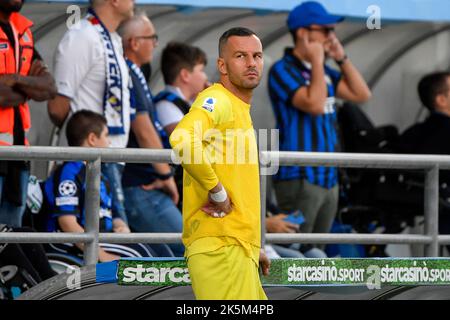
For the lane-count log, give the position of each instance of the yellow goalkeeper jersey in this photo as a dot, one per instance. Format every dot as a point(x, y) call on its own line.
point(216, 142)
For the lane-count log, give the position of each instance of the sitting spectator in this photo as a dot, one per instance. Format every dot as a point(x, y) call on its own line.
point(65, 193)
point(276, 223)
point(150, 191)
point(431, 136)
point(182, 66)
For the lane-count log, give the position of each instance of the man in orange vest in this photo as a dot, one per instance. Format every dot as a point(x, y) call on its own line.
point(23, 76)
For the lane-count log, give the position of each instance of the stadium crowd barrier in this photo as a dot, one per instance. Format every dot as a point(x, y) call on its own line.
point(94, 157)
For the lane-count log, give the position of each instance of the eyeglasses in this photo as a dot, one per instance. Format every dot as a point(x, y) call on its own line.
point(153, 37)
point(325, 30)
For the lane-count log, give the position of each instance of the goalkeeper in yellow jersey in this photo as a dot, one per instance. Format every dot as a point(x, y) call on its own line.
point(216, 145)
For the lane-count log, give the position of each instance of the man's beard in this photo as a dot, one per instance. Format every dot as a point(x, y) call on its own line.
point(244, 84)
point(8, 8)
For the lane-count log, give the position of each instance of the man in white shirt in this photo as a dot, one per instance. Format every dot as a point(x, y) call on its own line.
point(91, 73)
point(80, 67)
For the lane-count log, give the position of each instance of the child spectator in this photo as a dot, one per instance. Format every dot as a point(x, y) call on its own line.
point(66, 187)
point(182, 66)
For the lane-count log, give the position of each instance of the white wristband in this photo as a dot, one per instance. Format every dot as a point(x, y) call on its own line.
point(220, 196)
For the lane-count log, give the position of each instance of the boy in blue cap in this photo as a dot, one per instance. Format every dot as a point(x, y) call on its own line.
point(303, 89)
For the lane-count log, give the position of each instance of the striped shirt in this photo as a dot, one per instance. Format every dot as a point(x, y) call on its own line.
point(301, 131)
point(65, 192)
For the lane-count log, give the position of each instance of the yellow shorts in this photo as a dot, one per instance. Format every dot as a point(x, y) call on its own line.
point(225, 274)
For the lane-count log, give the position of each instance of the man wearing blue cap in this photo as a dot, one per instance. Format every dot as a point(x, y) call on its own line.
point(302, 89)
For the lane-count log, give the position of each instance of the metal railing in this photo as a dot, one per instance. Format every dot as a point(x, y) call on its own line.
point(93, 157)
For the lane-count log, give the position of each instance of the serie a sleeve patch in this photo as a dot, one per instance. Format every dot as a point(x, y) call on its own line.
point(209, 104)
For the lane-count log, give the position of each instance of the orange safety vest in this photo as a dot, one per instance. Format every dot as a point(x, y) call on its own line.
point(15, 60)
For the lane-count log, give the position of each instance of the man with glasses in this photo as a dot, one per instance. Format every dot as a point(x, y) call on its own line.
point(302, 89)
point(151, 194)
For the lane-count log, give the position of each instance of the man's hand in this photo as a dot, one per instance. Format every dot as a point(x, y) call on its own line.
point(119, 226)
point(38, 68)
point(313, 51)
point(334, 49)
point(264, 262)
point(276, 224)
point(217, 209)
point(168, 186)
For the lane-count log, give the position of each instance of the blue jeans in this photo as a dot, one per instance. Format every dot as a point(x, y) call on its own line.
point(285, 252)
point(11, 214)
point(113, 172)
point(312, 252)
point(153, 211)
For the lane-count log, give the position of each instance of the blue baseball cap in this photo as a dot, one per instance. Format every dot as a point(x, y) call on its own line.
point(308, 13)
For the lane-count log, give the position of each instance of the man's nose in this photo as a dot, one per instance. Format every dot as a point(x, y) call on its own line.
point(251, 61)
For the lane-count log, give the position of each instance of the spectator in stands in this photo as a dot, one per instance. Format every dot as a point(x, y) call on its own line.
point(302, 89)
point(91, 73)
point(65, 192)
point(23, 76)
point(150, 191)
point(431, 136)
point(182, 66)
point(276, 223)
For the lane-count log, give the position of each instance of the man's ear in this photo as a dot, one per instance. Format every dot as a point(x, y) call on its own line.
point(221, 66)
point(134, 44)
point(440, 102)
point(114, 3)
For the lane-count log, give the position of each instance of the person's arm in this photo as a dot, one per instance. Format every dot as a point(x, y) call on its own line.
point(39, 84)
point(264, 262)
point(58, 110)
point(312, 98)
point(9, 97)
point(68, 223)
point(276, 224)
point(169, 128)
point(74, 58)
point(147, 137)
point(168, 115)
point(120, 226)
point(352, 86)
point(187, 143)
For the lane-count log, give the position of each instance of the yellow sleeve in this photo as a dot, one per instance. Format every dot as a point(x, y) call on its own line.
point(187, 140)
